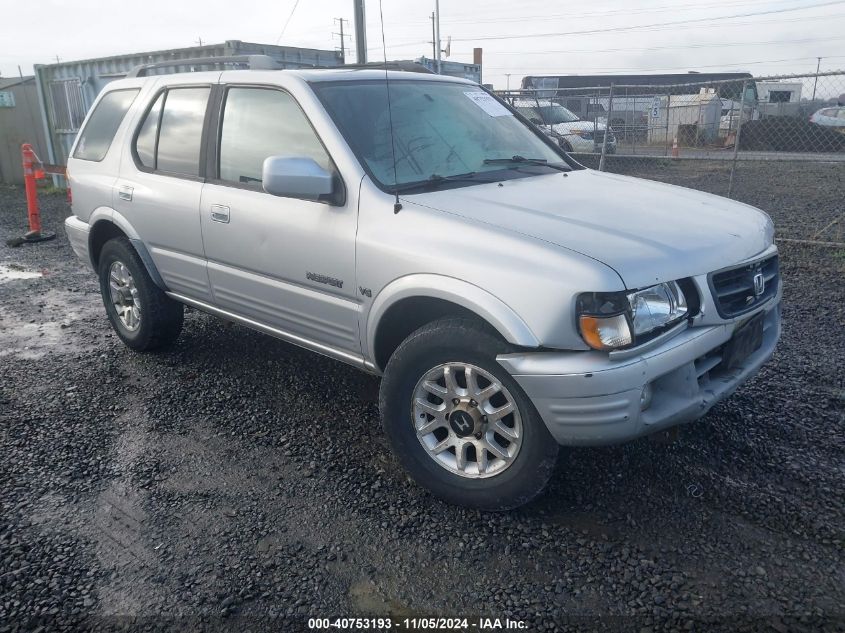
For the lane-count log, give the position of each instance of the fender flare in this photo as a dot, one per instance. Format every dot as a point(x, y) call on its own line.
point(477, 300)
point(106, 214)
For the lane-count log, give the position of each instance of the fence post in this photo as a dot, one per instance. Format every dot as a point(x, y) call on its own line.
point(606, 128)
point(668, 112)
point(736, 140)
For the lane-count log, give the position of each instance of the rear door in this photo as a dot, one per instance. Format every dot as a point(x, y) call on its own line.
point(95, 161)
point(161, 180)
point(284, 262)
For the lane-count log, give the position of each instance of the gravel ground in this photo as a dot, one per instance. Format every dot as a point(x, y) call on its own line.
point(235, 481)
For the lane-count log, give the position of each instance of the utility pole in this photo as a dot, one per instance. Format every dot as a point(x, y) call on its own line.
point(343, 37)
point(198, 41)
point(816, 82)
point(360, 32)
point(437, 36)
point(433, 39)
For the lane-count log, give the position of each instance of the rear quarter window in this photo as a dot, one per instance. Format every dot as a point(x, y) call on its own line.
point(96, 137)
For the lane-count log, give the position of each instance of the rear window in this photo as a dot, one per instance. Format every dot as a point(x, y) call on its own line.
point(96, 137)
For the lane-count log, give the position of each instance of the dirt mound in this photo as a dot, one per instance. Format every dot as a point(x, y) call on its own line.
point(788, 134)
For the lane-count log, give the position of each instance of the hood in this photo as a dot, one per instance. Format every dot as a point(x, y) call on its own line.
point(646, 231)
point(565, 128)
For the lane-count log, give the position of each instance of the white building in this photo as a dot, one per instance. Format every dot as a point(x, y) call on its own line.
point(779, 98)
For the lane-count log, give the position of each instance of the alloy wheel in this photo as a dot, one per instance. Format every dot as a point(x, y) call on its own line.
point(466, 420)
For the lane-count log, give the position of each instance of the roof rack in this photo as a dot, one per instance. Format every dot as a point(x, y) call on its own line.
point(252, 62)
point(405, 65)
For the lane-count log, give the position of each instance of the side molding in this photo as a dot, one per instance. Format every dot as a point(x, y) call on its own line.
point(487, 306)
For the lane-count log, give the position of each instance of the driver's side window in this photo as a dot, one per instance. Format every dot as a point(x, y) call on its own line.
point(262, 122)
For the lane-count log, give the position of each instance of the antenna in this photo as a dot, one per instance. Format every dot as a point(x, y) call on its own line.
point(397, 206)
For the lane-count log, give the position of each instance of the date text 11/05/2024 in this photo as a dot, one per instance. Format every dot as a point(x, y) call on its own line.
point(417, 624)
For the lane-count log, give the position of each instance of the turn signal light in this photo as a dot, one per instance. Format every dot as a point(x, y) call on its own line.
point(605, 333)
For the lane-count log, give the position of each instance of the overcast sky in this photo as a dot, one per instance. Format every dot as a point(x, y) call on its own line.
point(518, 36)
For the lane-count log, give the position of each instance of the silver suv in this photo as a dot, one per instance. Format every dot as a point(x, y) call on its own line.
point(512, 300)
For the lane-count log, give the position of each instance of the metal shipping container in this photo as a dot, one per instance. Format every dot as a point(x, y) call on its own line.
point(19, 123)
point(66, 90)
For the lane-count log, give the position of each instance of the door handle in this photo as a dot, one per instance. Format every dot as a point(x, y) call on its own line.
point(125, 193)
point(220, 213)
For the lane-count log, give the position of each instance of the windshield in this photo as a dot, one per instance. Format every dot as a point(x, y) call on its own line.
point(554, 114)
point(546, 114)
point(440, 130)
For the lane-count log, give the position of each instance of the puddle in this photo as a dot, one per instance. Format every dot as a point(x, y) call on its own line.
point(33, 334)
point(14, 271)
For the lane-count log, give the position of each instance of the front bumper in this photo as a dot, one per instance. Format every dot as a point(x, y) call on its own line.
point(588, 146)
point(77, 234)
point(585, 398)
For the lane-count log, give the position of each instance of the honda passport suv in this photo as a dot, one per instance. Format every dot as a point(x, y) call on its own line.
point(420, 229)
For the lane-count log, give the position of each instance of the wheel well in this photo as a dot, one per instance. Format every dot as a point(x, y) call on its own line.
point(407, 316)
point(102, 232)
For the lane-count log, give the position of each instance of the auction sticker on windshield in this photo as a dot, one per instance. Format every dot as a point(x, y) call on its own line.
point(487, 103)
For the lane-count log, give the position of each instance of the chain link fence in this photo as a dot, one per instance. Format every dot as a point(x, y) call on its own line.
point(771, 141)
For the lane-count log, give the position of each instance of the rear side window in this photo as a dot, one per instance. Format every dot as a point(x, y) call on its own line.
point(258, 123)
point(145, 144)
point(96, 137)
point(170, 137)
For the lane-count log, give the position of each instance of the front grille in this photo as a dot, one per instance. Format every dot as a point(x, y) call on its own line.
point(733, 289)
point(598, 136)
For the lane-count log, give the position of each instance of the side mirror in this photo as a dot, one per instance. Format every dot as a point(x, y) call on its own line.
point(295, 177)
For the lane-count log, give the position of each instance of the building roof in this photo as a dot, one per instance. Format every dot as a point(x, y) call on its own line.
point(206, 50)
point(11, 82)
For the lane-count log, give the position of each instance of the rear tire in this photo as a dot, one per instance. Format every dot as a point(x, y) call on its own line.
point(139, 312)
point(494, 461)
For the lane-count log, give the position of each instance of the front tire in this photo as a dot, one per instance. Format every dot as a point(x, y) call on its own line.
point(139, 312)
point(459, 423)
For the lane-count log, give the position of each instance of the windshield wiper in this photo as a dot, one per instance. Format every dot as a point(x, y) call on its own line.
point(527, 161)
point(435, 180)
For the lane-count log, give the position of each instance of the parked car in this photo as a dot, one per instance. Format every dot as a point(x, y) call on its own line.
point(511, 299)
point(830, 117)
point(573, 134)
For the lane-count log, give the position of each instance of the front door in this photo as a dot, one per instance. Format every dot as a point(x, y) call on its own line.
point(284, 262)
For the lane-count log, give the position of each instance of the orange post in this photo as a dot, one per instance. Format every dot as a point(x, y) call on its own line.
point(33, 169)
point(29, 175)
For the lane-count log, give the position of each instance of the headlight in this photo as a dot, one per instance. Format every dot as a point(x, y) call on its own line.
point(621, 319)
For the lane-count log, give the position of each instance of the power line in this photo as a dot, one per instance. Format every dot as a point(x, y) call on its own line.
point(626, 12)
point(472, 18)
point(645, 26)
point(812, 18)
point(617, 69)
point(661, 48)
point(285, 27)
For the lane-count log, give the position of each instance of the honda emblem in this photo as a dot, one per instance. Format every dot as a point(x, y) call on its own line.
point(759, 284)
